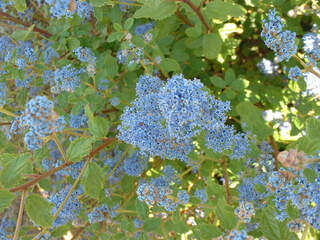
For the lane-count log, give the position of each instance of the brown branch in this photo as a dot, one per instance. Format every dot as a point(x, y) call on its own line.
point(93, 24)
point(18, 21)
point(79, 231)
point(275, 151)
point(226, 179)
point(184, 19)
point(199, 13)
point(54, 170)
point(16, 232)
point(5, 123)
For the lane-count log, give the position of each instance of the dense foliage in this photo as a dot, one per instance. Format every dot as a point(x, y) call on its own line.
point(159, 119)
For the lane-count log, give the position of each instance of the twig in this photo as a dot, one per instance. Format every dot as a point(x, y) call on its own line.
point(56, 140)
point(79, 231)
point(42, 176)
point(226, 179)
point(5, 123)
point(306, 67)
point(93, 24)
point(67, 197)
point(199, 13)
point(54, 170)
point(7, 112)
point(184, 19)
point(16, 232)
point(18, 21)
point(305, 231)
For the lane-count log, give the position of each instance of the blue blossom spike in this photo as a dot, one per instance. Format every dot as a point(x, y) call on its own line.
point(294, 73)
point(85, 55)
point(281, 42)
point(135, 164)
point(72, 208)
point(66, 79)
point(202, 195)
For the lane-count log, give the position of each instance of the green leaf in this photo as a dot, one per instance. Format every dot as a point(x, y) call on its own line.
point(307, 145)
point(156, 11)
point(218, 82)
point(221, 10)
point(230, 76)
point(272, 228)
point(39, 210)
point(73, 43)
point(310, 174)
point(230, 94)
point(209, 231)
point(93, 180)
point(211, 45)
point(111, 66)
point(97, 3)
point(226, 214)
point(127, 183)
point(115, 36)
point(117, 27)
point(98, 126)
point(20, 5)
point(12, 172)
point(169, 64)
point(23, 34)
point(6, 198)
point(142, 209)
point(152, 224)
point(78, 149)
point(313, 128)
point(194, 32)
point(128, 23)
point(252, 117)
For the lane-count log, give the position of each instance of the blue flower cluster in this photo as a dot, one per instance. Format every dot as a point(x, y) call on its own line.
point(248, 192)
point(183, 197)
point(268, 67)
point(296, 225)
point(40, 119)
point(135, 164)
point(238, 235)
point(85, 55)
point(245, 211)
point(157, 191)
point(164, 119)
point(124, 6)
point(98, 214)
point(3, 93)
point(78, 121)
point(66, 8)
point(72, 208)
point(202, 195)
point(6, 228)
point(72, 171)
point(138, 223)
point(313, 83)
point(66, 79)
point(5, 4)
point(131, 55)
point(294, 73)
point(49, 53)
point(241, 146)
point(115, 101)
point(265, 161)
point(281, 42)
point(311, 46)
point(143, 31)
